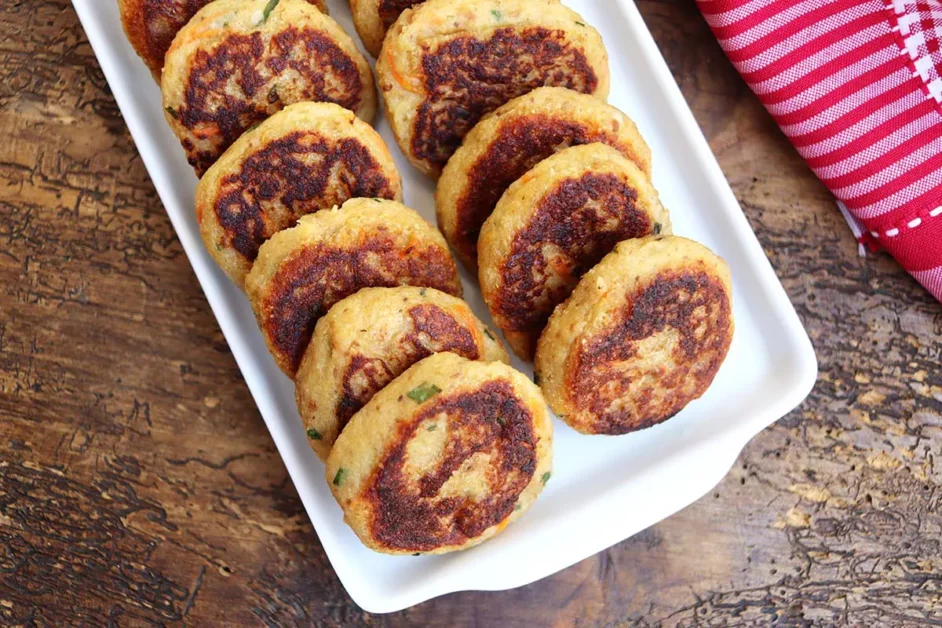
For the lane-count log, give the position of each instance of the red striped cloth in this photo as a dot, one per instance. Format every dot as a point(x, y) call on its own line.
point(856, 85)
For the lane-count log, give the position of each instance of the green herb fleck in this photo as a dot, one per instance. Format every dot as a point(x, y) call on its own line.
point(423, 292)
point(536, 378)
point(268, 9)
point(421, 394)
point(657, 228)
point(338, 479)
point(501, 420)
point(377, 200)
point(433, 427)
point(497, 14)
point(580, 23)
point(545, 477)
point(487, 332)
point(518, 507)
point(225, 24)
point(173, 113)
point(314, 434)
point(417, 554)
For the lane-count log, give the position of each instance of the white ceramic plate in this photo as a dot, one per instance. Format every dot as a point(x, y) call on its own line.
point(603, 489)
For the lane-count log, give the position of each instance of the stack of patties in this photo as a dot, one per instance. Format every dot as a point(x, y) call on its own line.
point(357, 296)
point(540, 179)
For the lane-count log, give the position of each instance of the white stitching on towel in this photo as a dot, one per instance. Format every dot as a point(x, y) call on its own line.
point(912, 224)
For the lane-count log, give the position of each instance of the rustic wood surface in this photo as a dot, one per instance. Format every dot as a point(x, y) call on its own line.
point(139, 486)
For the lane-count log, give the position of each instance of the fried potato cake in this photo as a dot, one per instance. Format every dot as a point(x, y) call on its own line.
point(151, 25)
point(554, 224)
point(301, 272)
point(643, 334)
point(239, 61)
point(513, 139)
point(369, 339)
point(446, 63)
point(307, 157)
point(373, 18)
point(443, 458)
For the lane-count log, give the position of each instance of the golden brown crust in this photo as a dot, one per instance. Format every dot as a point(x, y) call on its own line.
point(151, 25)
point(369, 339)
point(301, 272)
point(307, 157)
point(231, 67)
point(552, 226)
point(643, 335)
point(447, 63)
point(513, 139)
point(443, 458)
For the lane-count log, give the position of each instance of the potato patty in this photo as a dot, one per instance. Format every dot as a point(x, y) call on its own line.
point(554, 224)
point(239, 61)
point(447, 63)
point(443, 458)
point(643, 334)
point(151, 25)
point(307, 157)
point(301, 272)
point(513, 139)
point(369, 339)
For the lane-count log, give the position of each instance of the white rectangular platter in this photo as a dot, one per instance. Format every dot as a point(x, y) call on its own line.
point(603, 489)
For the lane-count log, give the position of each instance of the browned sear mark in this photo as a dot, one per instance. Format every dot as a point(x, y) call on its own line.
point(466, 78)
point(390, 10)
point(229, 88)
point(317, 277)
point(292, 176)
point(408, 513)
point(434, 330)
point(574, 227)
point(695, 305)
point(521, 144)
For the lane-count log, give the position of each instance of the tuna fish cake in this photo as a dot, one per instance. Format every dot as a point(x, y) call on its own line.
point(513, 139)
point(443, 458)
point(369, 339)
point(643, 334)
point(554, 224)
point(373, 18)
point(308, 157)
point(447, 63)
point(151, 25)
point(239, 61)
point(301, 272)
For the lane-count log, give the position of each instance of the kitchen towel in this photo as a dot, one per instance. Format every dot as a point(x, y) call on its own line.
point(856, 85)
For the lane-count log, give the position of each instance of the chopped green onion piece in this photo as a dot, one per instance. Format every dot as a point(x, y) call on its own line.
point(173, 113)
point(545, 478)
point(421, 394)
point(268, 9)
point(488, 333)
point(433, 427)
point(497, 14)
point(314, 434)
point(338, 479)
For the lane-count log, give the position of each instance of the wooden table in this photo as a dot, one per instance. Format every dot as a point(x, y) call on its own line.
point(138, 484)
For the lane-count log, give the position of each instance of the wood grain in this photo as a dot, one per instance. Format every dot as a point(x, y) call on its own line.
point(138, 485)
